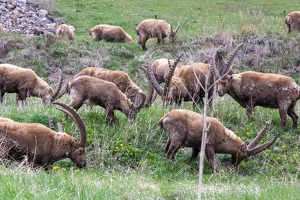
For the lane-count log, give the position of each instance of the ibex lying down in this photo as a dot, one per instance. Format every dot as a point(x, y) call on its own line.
point(119, 78)
point(94, 91)
point(25, 83)
point(40, 145)
point(252, 89)
point(185, 128)
point(152, 28)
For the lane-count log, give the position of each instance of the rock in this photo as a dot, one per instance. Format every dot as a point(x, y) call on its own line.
point(25, 17)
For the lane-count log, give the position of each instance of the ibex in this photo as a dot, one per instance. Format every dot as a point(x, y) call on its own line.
point(94, 91)
point(109, 33)
point(252, 89)
point(161, 68)
point(65, 30)
point(39, 145)
point(292, 21)
point(185, 128)
point(154, 28)
point(25, 83)
point(119, 78)
point(184, 83)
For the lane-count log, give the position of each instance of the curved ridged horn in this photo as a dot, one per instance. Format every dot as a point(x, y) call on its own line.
point(256, 140)
point(231, 58)
point(150, 87)
point(56, 92)
point(141, 98)
point(213, 68)
point(77, 119)
point(51, 124)
point(154, 82)
point(259, 149)
point(177, 29)
point(170, 74)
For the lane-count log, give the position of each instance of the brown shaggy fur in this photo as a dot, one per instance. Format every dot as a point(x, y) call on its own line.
point(153, 28)
point(110, 33)
point(252, 89)
point(94, 91)
point(292, 21)
point(185, 128)
point(120, 78)
point(24, 82)
point(38, 145)
point(65, 30)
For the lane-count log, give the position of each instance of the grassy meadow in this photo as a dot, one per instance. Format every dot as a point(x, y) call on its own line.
point(127, 161)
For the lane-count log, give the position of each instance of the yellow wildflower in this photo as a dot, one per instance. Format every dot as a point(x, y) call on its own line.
point(55, 167)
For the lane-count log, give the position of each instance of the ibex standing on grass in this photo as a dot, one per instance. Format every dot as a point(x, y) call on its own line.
point(25, 83)
point(154, 28)
point(252, 89)
point(40, 145)
point(185, 128)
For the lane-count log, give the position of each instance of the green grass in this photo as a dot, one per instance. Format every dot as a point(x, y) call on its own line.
point(127, 161)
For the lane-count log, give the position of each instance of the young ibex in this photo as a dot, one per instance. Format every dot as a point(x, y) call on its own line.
point(119, 78)
point(94, 91)
point(185, 128)
point(292, 21)
point(152, 28)
point(40, 145)
point(25, 83)
point(109, 33)
point(65, 30)
point(252, 89)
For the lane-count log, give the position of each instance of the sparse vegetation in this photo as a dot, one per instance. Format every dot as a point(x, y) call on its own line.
point(128, 161)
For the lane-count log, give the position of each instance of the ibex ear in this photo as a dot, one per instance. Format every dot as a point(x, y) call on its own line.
point(244, 147)
point(73, 142)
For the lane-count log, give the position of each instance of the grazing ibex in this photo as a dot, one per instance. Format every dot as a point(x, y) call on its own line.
point(110, 33)
point(39, 145)
point(152, 28)
point(25, 83)
point(161, 68)
point(252, 89)
point(292, 21)
point(65, 30)
point(94, 91)
point(119, 78)
point(185, 128)
point(184, 83)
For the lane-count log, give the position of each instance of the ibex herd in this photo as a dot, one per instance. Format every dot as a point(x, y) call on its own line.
point(40, 146)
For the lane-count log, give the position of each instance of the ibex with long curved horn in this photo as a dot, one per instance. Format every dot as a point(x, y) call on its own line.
point(40, 145)
point(184, 83)
point(161, 68)
point(25, 83)
point(252, 89)
point(185, 128)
